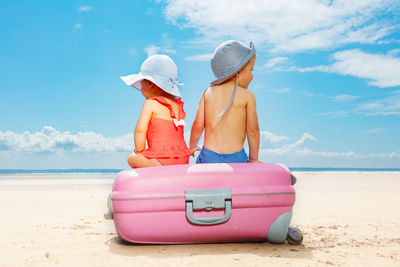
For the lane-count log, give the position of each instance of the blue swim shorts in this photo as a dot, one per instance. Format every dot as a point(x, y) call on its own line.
point(208, 156)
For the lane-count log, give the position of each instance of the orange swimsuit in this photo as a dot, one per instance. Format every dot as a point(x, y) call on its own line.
point(165, 140)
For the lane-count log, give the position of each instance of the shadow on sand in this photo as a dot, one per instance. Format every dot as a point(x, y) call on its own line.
point(120, 247)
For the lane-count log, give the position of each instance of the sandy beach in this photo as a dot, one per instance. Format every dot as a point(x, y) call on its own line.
point(347, 218)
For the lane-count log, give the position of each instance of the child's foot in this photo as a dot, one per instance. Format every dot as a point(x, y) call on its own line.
point(294, 236)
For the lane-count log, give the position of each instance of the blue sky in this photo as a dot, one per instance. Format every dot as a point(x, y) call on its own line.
point(327, 77)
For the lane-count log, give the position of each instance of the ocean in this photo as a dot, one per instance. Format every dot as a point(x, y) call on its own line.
point(107, 172)
point(21, 174)
point(90, 179)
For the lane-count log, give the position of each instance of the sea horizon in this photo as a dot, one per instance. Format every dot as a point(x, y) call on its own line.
point(115, 171)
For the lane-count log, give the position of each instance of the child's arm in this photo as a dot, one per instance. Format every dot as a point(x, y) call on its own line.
point(142, 125)
point(252, 129)
point(197, 128)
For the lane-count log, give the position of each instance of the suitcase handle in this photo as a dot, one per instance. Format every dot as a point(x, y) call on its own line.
point(208, 200)
point(209, 220)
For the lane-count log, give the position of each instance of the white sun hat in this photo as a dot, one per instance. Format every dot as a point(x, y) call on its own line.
point(228, 59)
point(158, 69)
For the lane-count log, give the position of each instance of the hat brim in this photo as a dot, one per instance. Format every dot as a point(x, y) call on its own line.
point(134, 79)
point(237, 68)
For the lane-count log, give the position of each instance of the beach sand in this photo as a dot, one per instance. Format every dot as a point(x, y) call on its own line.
point(347, 218)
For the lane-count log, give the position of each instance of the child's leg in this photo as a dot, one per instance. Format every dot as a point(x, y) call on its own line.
point(137, 160)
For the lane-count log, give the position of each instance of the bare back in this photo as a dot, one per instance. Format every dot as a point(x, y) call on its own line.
point(227, 133)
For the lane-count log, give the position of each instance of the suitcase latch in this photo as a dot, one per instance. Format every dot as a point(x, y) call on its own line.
point(208, 200)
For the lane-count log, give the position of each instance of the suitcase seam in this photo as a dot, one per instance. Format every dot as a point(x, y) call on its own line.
point(175, 197)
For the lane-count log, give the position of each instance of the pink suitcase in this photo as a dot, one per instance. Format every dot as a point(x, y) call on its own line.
point(203, 203)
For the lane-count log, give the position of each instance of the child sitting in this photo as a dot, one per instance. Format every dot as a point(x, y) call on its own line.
point(227, 110)
point(161, 120)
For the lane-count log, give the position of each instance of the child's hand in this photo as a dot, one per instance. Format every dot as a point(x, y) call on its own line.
point(254, 161)
point(192, 150)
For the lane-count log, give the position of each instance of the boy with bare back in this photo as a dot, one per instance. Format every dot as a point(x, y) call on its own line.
point(227, 110)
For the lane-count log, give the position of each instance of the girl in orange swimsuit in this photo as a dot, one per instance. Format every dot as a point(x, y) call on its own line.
point(161, 120)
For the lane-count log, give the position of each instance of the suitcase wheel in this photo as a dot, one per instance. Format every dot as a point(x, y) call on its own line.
point(293, 179)
point(109, 215)
point(294, 236)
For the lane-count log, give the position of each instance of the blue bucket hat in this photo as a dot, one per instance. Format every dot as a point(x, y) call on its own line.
point(158, 69)
point(228, 59)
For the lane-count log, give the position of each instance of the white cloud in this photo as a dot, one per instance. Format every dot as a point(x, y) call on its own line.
point(272, 138)
point(368, 34)
point(280, 91)
point(389, 105)
point(303, 139)
point(275, 62)
point(84, 8)
point(49, 140)
point(334, 114)
point(299, 150)
point(150, 12)
point(375, 130)
point(344, 98)
point(132, 51)
point(394, 52)
point(382, 70)
point(169, 51)
point(258, 86)
point(289, 26)
point(66, 145)
point(309, 94)
point(78, 26)
point(153, 49)
point(201, 57)
point(295, 147)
